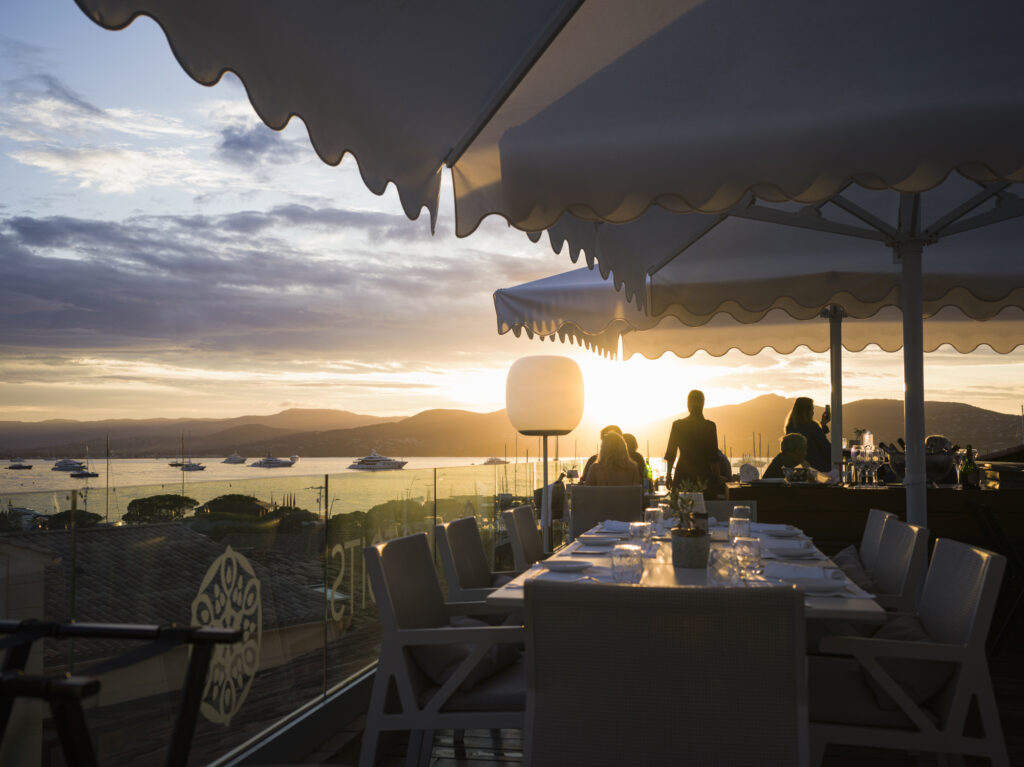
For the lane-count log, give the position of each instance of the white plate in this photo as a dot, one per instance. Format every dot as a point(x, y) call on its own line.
point(590, 539)
point(794, 553)
point(567, 565)
point(817, 585)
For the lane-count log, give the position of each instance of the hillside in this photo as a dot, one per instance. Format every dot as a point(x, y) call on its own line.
point(312, 433)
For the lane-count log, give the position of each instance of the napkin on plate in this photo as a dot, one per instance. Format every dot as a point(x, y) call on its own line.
point(766, 527)
point(615, 526)
point(783, 571)
point(788, 544)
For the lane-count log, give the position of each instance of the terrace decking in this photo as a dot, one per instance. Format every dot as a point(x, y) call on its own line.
point(482, 748)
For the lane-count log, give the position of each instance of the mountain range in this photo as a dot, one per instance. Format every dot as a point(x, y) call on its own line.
point(752, 427)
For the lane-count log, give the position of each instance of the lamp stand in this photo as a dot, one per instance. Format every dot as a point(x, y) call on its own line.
point(545, 506)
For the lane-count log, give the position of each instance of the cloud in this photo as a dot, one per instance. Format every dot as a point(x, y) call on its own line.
point(290, 280)
point(248, 147)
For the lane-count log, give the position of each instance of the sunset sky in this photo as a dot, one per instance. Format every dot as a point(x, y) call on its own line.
point(163, 253)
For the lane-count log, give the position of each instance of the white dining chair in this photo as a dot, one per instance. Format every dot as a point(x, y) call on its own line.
point(857, 561)
point(524, 536)
point(901, 565)
point(911, 685)
point(595, 503)
point(464, 561)
point(634, 675)
point(432, 674)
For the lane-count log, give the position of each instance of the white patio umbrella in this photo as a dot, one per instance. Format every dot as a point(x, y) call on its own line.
point(604, 108)
point(713, 315)
point(977, 270)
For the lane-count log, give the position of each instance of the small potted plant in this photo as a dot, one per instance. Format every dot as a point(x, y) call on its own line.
point(690, 540)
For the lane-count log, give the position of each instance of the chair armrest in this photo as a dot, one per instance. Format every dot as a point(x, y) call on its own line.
point(473, 608)
point(473, 596)
point(891, 648)
point(461, 635)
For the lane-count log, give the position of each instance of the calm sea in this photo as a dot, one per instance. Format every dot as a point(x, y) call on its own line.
point(109, 494)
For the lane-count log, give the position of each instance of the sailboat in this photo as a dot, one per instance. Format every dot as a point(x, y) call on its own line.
point(186, 464)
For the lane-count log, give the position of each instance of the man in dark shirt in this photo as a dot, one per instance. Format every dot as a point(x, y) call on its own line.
point(694, 440)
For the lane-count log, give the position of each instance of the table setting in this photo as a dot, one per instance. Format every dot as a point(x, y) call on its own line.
point(743, 554)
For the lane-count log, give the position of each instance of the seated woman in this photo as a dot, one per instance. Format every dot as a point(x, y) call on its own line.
point(792, 454)
point(613, 465)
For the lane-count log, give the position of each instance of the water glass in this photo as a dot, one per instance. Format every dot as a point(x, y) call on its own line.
point(655, 517)
point(748, 554)
point(640, 533)
point(739, 527)
point(627, 563)
point(723, 569)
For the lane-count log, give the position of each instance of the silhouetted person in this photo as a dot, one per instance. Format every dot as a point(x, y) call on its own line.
point(613, 465)
point(801, 421)
point(590, 461)
point(634, 453)
point(692, 452)
point(792, 454)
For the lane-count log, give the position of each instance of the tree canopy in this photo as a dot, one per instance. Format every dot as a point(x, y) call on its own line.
point(159, 508)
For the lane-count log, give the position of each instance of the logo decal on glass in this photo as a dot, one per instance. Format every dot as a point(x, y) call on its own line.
point(230, 598)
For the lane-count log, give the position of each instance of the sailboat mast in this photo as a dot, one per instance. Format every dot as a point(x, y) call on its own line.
point(106, 509)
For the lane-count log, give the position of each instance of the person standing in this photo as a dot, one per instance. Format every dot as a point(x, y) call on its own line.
point(801, 421)
point(692, 452)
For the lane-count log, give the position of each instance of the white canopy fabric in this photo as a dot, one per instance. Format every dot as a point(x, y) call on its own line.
point(604, 108)
point(580, 307)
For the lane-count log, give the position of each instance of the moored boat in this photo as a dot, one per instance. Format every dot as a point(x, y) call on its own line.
point(270, 462)
point(234, 458)
point(192, 466)
point(374, 462)
point(68, 464)
point(494, 461)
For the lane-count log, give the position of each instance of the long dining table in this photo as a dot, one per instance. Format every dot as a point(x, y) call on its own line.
point(846, 603)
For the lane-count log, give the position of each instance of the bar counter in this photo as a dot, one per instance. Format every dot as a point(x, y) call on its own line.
point(835, 516)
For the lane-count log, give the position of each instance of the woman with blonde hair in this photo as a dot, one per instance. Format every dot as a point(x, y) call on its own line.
point(613, 465)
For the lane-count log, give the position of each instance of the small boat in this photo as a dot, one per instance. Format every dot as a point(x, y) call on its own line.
point(68, 464)
point(493, 461)
point(19, 463)
point(192, 466)
point(270, 462)
point(234, 458)
point(84, 473)
point(374, 462)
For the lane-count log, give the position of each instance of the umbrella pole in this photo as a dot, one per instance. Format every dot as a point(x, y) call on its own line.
point(908, 254)
point(545, 513)
point(835, 352)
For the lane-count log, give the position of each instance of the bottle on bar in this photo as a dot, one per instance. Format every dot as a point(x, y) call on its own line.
point(969, 476)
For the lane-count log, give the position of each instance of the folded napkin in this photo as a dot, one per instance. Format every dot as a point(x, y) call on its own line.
point(765, 527)
point(593, 550)
point(614, 526)
point(788, 544)
point(784, 571)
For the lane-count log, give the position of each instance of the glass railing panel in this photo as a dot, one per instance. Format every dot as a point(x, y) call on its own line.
point(280, 556)
point(365, 508)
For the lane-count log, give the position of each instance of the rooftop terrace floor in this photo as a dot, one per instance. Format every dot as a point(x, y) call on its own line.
point(483, 748)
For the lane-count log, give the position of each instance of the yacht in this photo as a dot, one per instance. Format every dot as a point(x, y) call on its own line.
point(374, 462)
point(84, 473)
point(493, 461)
point(68, 464)
point(234, 458)
point(19, 463)
point(192, 466)
point(270, 462)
